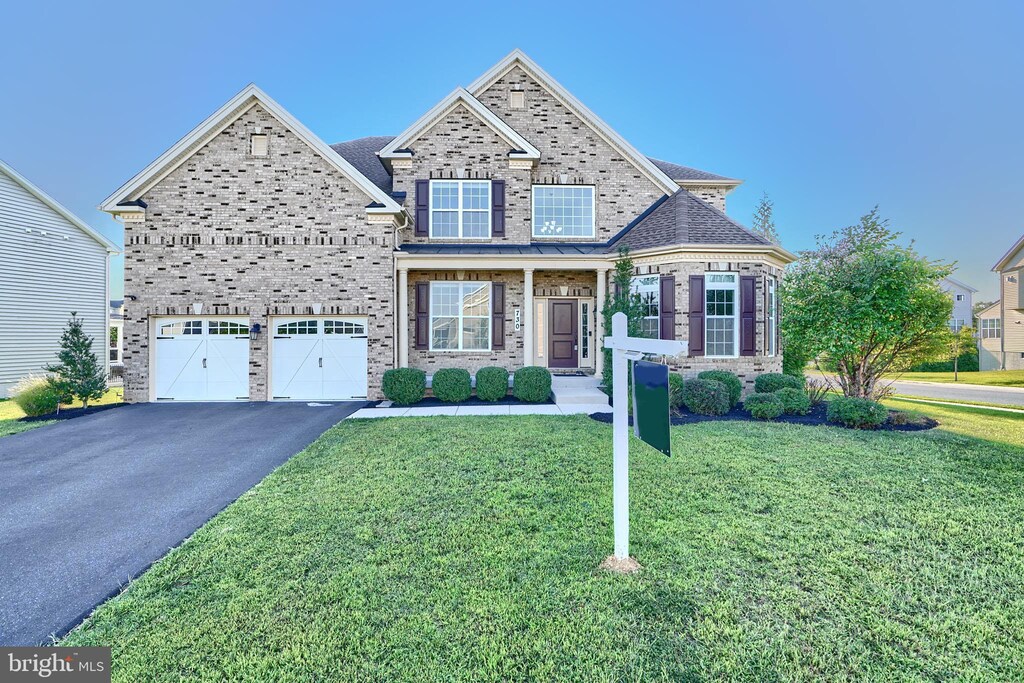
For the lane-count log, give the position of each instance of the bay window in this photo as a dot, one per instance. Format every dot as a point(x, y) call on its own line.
point(648, 288)
point(563, 211)
point(460, 208)
point(460, 316)
point(720, 315)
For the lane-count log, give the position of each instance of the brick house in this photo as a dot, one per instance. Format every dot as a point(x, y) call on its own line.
point(263, 264)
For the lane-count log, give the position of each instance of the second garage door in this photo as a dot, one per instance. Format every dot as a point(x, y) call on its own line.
point(319, 359)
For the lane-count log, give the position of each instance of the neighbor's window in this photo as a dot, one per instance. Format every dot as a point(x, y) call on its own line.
point(563, 211)
point(773, 317)
point(991, 328)
point(460, 208)
point(647, 287)
point(720, 314)
point(460, 316)
point(259, 145)
point(959, 297)
point(955, 324)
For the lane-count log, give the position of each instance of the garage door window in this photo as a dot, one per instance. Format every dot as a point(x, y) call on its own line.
point(182, 327)
point(343, 327)
point(224, 327)
point(298, 327)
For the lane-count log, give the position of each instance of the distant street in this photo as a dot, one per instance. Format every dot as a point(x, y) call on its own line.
point(1010, 396)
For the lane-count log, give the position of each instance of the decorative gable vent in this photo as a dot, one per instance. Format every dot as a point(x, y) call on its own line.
point(259, 145)
point(517, 99)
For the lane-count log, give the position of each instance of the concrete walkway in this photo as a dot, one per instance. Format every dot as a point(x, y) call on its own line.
point(427, 411)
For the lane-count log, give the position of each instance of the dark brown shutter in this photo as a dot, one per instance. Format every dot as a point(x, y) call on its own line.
point(747, 305)
point(667, 307)
point(422, 208)
point(422, 315)
point(696, 314)
point(497, 208)
point(498, 315)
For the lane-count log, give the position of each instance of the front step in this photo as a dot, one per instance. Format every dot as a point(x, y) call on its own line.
point(578, 391)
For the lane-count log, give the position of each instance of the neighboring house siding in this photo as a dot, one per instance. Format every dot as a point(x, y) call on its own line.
point(256, 236)
point(962, 310)
point(1013, 319)
point(43, 278)
point(990, 354)
point(568, 146)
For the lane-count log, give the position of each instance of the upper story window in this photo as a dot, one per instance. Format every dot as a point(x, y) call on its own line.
point(648, 288)
point(991, 328)
point(720, 314)
point(460, 208)
point(563, 211)
point(959, 297)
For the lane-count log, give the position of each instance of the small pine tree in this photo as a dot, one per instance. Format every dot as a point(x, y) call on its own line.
point(78, 374)
point(764, 221)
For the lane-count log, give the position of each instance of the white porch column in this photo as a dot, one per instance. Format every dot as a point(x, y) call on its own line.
point(602, 283)
point(527, 317)
point(403, 318)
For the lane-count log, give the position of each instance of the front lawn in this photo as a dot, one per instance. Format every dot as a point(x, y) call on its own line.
point(10, 413)
point(440, 548)
point(995, 378)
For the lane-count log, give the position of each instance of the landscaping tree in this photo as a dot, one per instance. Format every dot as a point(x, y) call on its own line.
point(622, 299)
point(960, 342)
point(865, 305)
point(764, 221)
point(78, 374)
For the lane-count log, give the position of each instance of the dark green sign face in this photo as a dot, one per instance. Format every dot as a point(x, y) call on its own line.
point(650, 405)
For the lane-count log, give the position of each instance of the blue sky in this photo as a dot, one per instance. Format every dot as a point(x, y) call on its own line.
point(829, 107)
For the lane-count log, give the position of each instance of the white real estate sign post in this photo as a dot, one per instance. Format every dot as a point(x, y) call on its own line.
point(625, 348)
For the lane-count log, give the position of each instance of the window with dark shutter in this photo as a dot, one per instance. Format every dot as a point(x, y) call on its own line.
point(422, 315)
point(497, 208)
point(696, 316)
point(422, 228)
point(747, 305)
point(498, 315)
point(667, 308)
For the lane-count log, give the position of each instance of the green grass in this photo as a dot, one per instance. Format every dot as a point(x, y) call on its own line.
point(994, 378)
point(466, 549)
point(10, 412)
point(994, 426)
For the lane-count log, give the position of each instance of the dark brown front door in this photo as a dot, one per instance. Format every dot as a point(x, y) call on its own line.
point(563, 334)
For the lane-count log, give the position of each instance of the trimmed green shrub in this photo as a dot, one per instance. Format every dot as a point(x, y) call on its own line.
point(794, 401)
point(764, 406)
point(706, 397)
point(968, 362)
point(861, 413)
point(491, 383)
point(452, 385)
point(532, 384)
point(675, 392)
point(770, 382)
point(731, 382)
point(404, 386)
point(37, 396)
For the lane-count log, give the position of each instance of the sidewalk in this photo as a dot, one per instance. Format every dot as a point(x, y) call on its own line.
point(540, 409)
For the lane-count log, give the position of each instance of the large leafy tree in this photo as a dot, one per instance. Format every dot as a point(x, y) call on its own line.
point(78, 372)
point(866, 305)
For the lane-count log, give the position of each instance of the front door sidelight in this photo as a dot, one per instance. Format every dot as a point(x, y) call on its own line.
point(563, 335)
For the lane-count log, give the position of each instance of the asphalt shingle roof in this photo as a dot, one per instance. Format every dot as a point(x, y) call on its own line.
point(677, 172)
point(362, 153)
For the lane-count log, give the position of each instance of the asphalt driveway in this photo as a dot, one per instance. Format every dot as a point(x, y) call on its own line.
point(88, 504)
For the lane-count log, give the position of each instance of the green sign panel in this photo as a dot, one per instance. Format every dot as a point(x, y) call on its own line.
point(650, 405)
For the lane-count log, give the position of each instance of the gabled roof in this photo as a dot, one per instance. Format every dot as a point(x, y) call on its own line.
point(362, 153)
point(961, 285)
point(217, 122)
point(630, 153)
point(1009, 255)
point(685, 174)
point(58, 207)
point(520, 146)
point(994, 304)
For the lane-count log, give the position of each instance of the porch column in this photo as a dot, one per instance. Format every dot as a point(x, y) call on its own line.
point(602, 283)
point(527, 317)
point(403, 317)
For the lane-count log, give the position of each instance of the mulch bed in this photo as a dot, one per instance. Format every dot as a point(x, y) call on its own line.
point(817, 417)
point(71, 413)
point(510, 400)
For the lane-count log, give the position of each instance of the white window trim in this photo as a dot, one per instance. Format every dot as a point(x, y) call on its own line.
point(993, 330)
point(735, 287)
point(635, 288)
point(459, 211)
point(461, 317)
point(773, 316)
point(593, 213)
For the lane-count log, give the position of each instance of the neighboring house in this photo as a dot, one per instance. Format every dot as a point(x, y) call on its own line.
point(963, 303)
point(1011, 307)
point(264, 264)
point(116, 345)
point(51, 264)
point(990, 338)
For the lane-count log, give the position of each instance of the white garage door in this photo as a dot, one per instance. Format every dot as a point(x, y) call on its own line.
point(202, 359)
point(319, 359)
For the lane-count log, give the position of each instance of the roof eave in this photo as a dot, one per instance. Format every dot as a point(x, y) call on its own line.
point(998, 267)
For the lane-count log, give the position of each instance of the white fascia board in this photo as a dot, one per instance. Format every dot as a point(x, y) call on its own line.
point(605, 131)
point(58, 207)
point(1008, 255)
point(961, 285)
point(732, 182)
point(218, 121)
point(437, 112)
point(782, 254)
